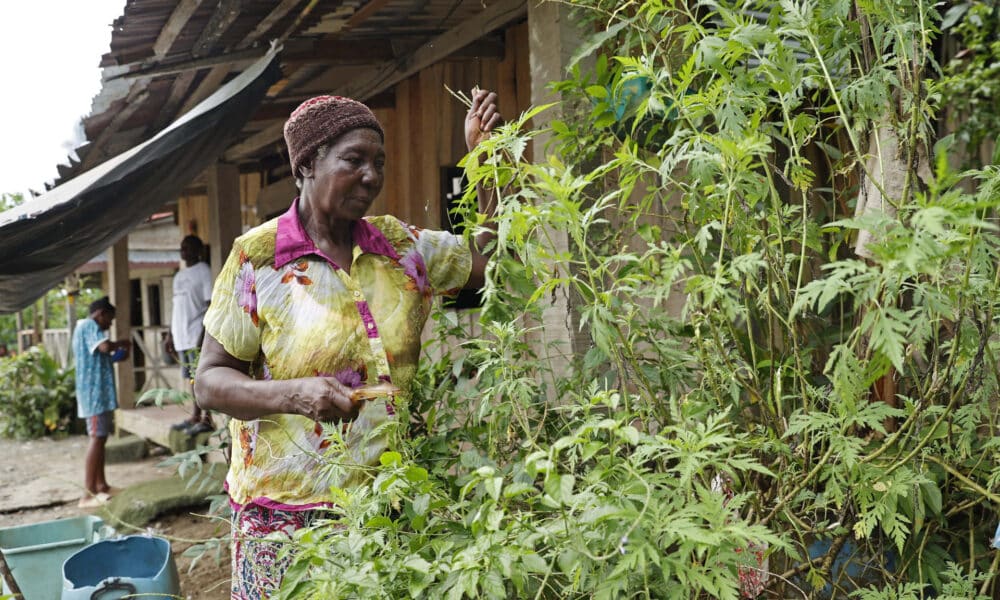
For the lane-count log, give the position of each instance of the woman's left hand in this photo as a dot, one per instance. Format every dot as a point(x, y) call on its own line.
point(482, 117)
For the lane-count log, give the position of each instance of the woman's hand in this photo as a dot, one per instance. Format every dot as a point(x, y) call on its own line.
point(324, 399)
point(482, 118)
point(223, 384)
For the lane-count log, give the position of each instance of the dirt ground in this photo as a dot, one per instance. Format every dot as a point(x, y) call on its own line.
point(42, 481)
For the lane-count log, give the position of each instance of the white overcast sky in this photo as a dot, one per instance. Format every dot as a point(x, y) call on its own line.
point(49, 52)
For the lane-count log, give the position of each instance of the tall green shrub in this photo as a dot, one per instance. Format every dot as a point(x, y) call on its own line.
point(828, 412)
point(36, 395)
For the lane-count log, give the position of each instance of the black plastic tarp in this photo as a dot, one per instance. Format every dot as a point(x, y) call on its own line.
point(46, 238)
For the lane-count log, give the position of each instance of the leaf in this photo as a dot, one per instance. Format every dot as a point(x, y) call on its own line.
point(595, 42)
point(888, 328)
point(391, 459)
point(421, 504)
point(954, 14)
point(493, 485)
point(418, 564)
point(416, 474)
point(597, 91)
point(515, 489)
point(533, 563)
point(931, 494)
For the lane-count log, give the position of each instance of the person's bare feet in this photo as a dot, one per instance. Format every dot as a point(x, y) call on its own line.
point(110, 491)
point(94, 500)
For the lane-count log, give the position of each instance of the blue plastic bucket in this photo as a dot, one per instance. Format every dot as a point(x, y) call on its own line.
point(35, 553)
point(120, 568)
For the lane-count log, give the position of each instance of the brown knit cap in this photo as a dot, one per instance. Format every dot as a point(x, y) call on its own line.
point(321, 119)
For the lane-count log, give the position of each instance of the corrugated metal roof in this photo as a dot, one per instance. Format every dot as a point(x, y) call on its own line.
point(166, 55)
point(46, 238)
point(137, 259)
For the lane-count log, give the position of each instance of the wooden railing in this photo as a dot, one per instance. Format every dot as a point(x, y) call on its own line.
point(150, 362)
point(57, 344)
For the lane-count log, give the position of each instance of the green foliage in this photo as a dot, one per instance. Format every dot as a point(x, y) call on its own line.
point(8, 201)
point(36, 395)
point(744, 383)
point(57, 313)
point(192, 465)
point(971, 86)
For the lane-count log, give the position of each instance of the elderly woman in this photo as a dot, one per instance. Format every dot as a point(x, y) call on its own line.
point(309, 307)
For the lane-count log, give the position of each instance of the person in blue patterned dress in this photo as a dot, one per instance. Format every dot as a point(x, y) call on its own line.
point(96, 399)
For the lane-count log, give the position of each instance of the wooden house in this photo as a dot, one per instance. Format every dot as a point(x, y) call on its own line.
point(168, 56)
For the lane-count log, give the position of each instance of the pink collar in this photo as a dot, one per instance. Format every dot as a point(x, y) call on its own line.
point(292, 241)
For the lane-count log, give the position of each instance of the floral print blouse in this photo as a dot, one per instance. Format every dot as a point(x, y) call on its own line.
point(290, 311)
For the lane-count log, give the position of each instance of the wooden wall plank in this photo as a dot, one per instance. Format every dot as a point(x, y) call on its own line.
point(192, 216)
point(417, 147)
point(507, 76)
point(521, 56)
point(445, 151)
point(436, 116)
point(424, 127)
point(404, 195)
point(250, 186)
point(387, 116)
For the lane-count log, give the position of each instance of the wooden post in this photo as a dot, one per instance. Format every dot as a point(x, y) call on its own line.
point(552, 39)
point(36, 322)
point(225, 221)
point(19, 325)
point(72, 286)
point(120, 290)
point(70, 326)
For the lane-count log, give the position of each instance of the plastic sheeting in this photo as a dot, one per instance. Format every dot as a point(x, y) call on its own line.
point(48, 237)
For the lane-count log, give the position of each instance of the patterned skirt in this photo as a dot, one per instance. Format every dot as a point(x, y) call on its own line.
point(257, 570)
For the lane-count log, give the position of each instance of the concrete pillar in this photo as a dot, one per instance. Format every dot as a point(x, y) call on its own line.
point(225, 222)
point(553, 38)
point(120, 291)
point(147, 303)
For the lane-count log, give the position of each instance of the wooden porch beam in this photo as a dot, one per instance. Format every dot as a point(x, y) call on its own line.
point(213, 79)
point(362, 14)
point(323, 51)
point(389, 73)
point(133, 101)
point(392, 72)
point(120, 290)
point(177, 92)
point(224, 220)
point(230, 58)
point(281, 109)
point(220, 21)
point(270, 21)
point(175, 24)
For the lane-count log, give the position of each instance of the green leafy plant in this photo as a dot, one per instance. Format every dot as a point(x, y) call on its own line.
point(192, 464)
point(36, 396)
point(699, 371)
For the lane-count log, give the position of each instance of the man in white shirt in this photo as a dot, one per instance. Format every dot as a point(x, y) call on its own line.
point(192, 293)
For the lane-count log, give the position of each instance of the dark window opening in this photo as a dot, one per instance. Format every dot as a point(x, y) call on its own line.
point(453, 184)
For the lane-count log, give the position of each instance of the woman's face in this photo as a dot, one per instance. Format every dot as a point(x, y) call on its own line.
point(343, 183)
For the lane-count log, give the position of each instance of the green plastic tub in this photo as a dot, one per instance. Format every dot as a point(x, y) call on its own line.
point(35, 553)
